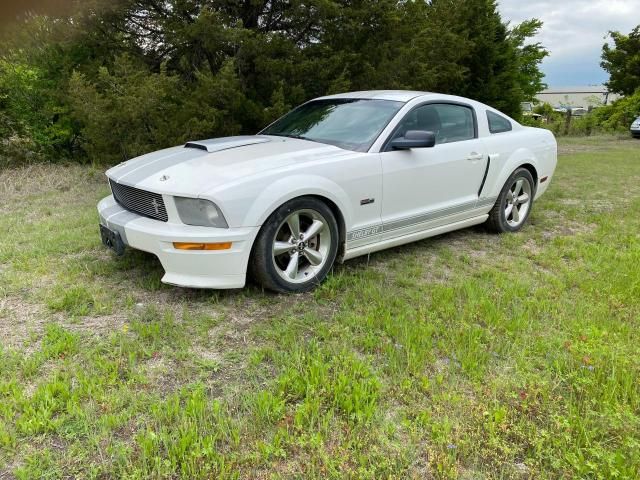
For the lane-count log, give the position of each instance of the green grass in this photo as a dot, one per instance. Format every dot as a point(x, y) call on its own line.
point(469, 355)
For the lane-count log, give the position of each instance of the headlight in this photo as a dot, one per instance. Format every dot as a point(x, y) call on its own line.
point(200, 212)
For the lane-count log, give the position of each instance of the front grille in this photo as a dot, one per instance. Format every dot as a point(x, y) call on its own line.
point(139, 201)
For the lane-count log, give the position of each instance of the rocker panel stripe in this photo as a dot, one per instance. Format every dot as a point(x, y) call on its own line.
point(417, 219)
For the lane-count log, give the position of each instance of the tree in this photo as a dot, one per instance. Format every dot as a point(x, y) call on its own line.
point(530, 56)
point(116, 79)
point(622, 61)
point(491, 61)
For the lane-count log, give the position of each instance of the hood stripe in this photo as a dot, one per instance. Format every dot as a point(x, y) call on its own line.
point(143, 168)
point(138, 172)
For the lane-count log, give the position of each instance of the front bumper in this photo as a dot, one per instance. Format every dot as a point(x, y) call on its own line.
point(197, 269)
point(635, 131)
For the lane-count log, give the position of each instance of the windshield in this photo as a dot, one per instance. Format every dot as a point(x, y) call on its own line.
point(353, 124)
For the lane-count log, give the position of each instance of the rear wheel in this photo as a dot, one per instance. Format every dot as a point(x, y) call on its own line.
point(296, 246)
point(514, 203)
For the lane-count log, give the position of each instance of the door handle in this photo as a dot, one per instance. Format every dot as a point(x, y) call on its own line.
point(473, 156)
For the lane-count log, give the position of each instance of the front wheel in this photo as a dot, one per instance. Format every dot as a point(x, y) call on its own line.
point(296, 246)
point(514, 203)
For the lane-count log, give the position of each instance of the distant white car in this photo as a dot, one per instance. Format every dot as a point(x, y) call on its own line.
point(338, 177)
point(635, 128)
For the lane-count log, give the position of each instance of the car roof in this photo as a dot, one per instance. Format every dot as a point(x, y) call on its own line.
point(397, 95)
point(404, 96)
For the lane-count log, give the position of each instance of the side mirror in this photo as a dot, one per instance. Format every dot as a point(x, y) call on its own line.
point(414, 139)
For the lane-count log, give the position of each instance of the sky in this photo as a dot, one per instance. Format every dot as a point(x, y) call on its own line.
point(574, 32)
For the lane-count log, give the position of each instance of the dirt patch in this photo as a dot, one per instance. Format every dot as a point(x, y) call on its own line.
point(160, 374)
point(532, 247)
point(473, 242)
point(97, 326)
point(6, 474)
point(209, 354)
point(567, 229)
point(20, 321)
point(595, 206)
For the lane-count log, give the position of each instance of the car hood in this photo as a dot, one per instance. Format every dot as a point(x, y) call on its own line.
point(196, 167)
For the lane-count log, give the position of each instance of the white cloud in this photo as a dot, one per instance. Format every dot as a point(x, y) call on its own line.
point(574, 32)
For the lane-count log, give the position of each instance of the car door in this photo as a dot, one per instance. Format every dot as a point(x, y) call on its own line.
point(427, 187)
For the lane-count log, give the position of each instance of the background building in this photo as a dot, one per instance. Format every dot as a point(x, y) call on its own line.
point(590, 96)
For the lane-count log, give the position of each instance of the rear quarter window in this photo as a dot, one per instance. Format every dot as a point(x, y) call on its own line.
point(498, 123)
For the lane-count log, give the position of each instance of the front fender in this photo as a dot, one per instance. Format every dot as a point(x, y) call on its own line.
point(283, 190)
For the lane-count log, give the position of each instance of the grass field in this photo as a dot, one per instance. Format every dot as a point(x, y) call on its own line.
point(469, 355)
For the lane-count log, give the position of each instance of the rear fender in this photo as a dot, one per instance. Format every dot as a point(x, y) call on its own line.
point(520, 157)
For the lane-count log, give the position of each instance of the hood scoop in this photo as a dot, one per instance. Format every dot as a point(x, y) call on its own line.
point(225, 143)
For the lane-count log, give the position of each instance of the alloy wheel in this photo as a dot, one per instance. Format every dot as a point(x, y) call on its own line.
point(301, 246)
point(518, 201)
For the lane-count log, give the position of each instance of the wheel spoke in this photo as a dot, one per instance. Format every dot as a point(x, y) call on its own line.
point(314, 229)
point(507, 211)
point(524, 198)
point(516, 214)
point(518, 188)
point(294, 225)
point(509, 196)
point(292, 268)
point(314, 256)
point(281, 247)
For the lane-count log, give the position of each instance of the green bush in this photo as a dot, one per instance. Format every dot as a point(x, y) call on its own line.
point(619, 115)
point(614, 118)
point(34, 116)
point(127, 111)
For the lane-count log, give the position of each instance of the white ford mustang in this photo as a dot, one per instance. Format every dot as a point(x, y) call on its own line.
point(338, 177)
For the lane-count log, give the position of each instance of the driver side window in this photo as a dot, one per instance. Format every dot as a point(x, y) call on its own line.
point(449, 122)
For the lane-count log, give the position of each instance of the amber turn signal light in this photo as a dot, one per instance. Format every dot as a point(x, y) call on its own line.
point(201, 246)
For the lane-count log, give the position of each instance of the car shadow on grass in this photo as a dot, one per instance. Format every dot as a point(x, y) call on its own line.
point(145, 271)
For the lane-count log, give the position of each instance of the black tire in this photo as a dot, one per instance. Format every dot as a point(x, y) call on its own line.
point(262, 264)
point(497, 221)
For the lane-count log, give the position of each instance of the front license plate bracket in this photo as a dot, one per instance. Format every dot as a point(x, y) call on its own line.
point(112, 240)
